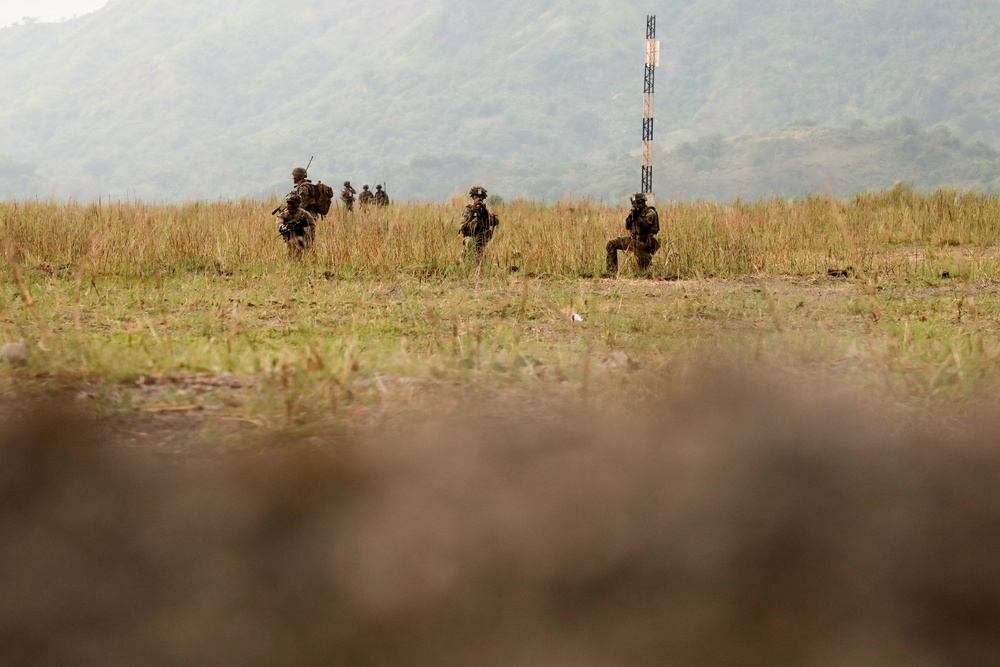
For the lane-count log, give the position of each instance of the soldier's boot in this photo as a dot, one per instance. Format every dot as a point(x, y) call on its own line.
point(643, 259)
point(612, 258)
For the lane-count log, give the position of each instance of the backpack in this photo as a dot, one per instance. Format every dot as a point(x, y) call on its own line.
point(322, 197)
point(656, 222)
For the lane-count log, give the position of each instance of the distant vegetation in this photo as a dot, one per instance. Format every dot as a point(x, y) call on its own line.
point(701, 239)
point(178, 99)
point(804, 157)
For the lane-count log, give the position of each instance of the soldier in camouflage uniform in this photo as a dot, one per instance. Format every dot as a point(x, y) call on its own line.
point(296, 225)
point(304, 188)
point(381, 197)
point(365, 197)
point(642, 225)
point(347, 196)
point(477, 224)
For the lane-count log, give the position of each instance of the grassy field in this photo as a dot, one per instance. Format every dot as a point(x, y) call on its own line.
point(195, 312)
point(777, 448)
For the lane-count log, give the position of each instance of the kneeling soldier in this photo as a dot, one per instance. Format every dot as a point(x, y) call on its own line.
point(296, 225)
point(642, 225)
point(477, 224)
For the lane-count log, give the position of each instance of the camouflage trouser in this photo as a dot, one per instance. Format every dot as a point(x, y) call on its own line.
point(299, 241)
point(644, 249)
point(475, 245)
point(348, 204)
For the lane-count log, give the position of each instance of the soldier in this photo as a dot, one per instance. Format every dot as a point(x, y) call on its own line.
point(365, 197)
point(347, 196)
point(477, 224)
point(642, 224)
point(381, 196)
point(296, 225)
point(304, 188)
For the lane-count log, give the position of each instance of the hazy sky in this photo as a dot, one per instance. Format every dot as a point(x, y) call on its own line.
point(12, 11)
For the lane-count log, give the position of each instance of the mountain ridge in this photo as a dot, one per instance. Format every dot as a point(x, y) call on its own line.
point(176, 99)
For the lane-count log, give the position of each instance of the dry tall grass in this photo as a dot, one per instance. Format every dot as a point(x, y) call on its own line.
point(896, 233)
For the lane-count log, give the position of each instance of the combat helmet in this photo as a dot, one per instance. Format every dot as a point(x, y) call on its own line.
point(347, 184)
point(378, 186)
point(364, 187)
point(478, 191)
point(299, 172)
point(292, 198)
point(639, 197)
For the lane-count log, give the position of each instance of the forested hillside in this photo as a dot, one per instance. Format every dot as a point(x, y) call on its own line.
point(176, 99)
point(740, 66)
point(803, 158)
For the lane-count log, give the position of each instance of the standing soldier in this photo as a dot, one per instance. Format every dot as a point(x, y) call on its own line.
point(365, 197)
point(477, 224)
point(347, 196)
point(303, 187)
point(296, 225)
point(381, 196)
point(642, 225)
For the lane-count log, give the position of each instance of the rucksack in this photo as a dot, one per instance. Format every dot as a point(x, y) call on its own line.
point(656, 222)
point(323, 197)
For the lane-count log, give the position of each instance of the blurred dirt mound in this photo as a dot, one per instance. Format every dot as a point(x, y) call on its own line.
point(736, 525)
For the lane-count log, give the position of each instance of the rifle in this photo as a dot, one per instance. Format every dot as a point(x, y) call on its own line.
point(286, 229)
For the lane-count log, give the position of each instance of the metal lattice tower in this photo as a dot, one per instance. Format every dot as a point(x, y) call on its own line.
point(652, 62)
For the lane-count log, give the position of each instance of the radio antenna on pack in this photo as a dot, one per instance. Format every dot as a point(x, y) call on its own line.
point(652, 62)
